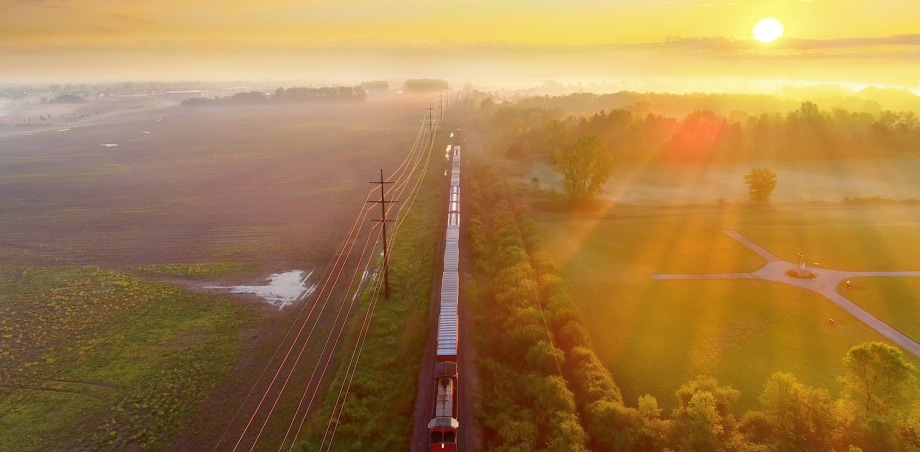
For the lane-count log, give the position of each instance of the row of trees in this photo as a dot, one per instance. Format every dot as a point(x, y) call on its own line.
point(543, 388)
point(538, 370)
point(67, 99)
point(425, 85)
point(870, 99)
point(322, 93)
point(527, 133)
point(295, 94)
point(375, 85)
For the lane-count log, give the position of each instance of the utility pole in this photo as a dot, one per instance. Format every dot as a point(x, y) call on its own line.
point(386, 252)
point(430, 117)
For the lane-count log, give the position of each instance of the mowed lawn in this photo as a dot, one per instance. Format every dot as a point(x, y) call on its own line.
point(895, 300)
point(656, 335)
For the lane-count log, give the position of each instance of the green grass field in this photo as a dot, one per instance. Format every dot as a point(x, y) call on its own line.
point(656, 335)
point(102, 360)
point(894, 300)
point(880, 238)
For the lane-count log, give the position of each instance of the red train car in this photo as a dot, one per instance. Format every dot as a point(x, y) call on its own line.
point(442, 429)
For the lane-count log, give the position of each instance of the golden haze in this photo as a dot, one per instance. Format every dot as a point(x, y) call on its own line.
point(832, 40)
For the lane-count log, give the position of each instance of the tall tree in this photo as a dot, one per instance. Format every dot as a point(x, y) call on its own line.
point(802, 418)
point(760, 182)
point(880, 380)
point(704, 427)
point(704, 416)
point(585, 166)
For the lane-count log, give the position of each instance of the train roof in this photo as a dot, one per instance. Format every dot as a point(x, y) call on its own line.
point(450, 281)
point(443, 422)
point(447, 320)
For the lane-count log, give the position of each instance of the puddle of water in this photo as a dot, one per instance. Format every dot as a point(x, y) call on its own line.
point(283, 289)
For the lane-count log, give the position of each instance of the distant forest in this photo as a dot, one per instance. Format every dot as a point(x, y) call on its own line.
point(67, 99)
point(423, 85)
point(296, 94)
point(375, 85)
point(643, 127)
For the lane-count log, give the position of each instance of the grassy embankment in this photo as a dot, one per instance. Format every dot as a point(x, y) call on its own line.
point(657, 335)
point(379, 405)
point(100, 360)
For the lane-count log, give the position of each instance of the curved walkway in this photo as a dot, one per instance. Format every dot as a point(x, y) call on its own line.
point(825, 283)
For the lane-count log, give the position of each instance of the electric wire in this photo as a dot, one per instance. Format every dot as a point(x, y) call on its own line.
point(326, 344)
point(325, 302)
point(356, 352)
point(411, 160)
point(306, 411)
point(362, 336)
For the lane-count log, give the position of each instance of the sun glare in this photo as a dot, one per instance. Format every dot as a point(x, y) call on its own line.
point(768, 30)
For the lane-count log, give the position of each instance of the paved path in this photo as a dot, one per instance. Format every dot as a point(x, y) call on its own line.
point(825, 283)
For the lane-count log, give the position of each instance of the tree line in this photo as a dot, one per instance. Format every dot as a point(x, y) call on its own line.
point(543, 387)
point(870, 99)
point(632, 134)
point(294, 94)
point(537, 366)
point(424, 85)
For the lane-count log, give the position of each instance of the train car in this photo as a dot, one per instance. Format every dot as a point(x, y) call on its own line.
point(442, 428)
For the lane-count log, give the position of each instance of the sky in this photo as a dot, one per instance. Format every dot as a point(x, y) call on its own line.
point(506, 41)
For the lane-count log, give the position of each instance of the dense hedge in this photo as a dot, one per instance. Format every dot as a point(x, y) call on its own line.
point(543, 386)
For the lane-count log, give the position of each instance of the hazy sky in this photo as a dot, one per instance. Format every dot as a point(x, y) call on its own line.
point(856, 41)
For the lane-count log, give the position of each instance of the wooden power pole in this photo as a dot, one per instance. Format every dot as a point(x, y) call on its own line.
point(386, 252)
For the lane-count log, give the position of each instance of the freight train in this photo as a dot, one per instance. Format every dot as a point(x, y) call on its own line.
point(442, 428)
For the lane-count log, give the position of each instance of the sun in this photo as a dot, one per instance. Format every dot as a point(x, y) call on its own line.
point(768, 30)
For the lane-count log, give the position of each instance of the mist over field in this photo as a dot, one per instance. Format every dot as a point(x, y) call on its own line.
point(462, 226)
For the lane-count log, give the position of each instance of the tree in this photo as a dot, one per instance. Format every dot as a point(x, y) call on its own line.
point(760, 182)
point(585, 166)
point(756, 427)
point(487, 104)
point(535, 184)
point(703, 417)
point(802, 418)
point(879, 380)
point(705, 424)
point(613, 426)
point(648, 407)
